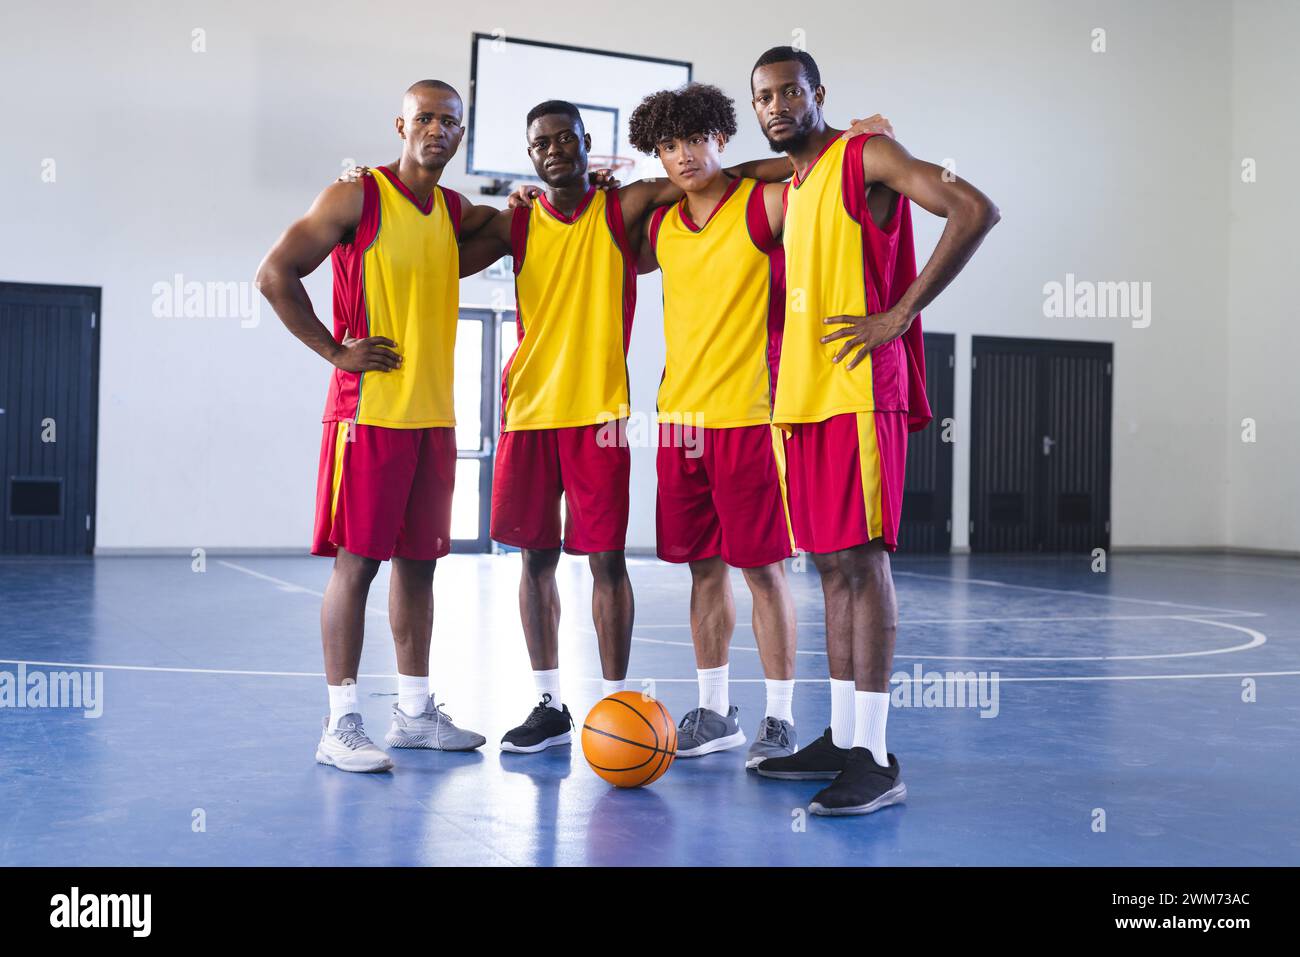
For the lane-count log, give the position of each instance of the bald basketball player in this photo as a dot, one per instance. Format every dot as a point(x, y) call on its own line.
point(852, 385)
point(565, 396)
point(721, 500)
point(388, 454)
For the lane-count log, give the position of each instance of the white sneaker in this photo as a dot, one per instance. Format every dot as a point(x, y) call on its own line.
point(432, 729)
point(347, 747)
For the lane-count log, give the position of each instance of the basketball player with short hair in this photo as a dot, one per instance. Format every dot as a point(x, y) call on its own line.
point(565, 396)
point(721, 465)
point(853, 294)
point(388, 456)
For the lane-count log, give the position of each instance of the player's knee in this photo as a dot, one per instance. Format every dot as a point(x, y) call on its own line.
point(710, 573)
point(830, 567)
point(863, 564)
point(608, 569)
point(540, 562)
point(355, 569)
point(413, 571)
point(873, 562)
point(766, 578)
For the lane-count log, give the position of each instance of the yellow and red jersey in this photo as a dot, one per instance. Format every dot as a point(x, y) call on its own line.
point(840, 263)
point(399, 278)
point(723, 307)
point(575, 294)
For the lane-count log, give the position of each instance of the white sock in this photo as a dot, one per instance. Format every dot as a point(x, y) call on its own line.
point(608, 687)
point(548, 683)
point(869, 731)
point(842, 714)
point(412, 694)
point(343, 700)
point(713, 688)
point(780, 698)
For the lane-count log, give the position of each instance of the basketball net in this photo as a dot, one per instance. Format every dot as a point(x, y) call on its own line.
point(621, 165)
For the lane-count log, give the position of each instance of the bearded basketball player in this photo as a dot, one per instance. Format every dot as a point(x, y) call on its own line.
point(852, 385)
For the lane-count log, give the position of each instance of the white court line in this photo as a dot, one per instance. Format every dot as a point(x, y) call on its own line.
point(1257, 638)
point(1001, 678)
point(998, 621)
point(631, 681)
point(1065, 591)
point(290, 586)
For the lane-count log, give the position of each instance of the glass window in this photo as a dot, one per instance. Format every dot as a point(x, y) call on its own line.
point(469, 386)
point(465, 503)
point(509, 337)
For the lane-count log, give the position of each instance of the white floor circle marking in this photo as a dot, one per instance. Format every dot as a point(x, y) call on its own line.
point(632, 681)
point(1065, 591)
point(678, 626)
point(1257, 638)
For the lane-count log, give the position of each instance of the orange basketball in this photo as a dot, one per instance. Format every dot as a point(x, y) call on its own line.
point(629, 739)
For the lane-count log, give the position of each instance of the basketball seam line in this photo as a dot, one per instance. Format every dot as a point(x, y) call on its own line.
point(643, 718)
point(636, 744)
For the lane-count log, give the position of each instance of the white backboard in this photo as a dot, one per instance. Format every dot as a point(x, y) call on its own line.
point(508, 77)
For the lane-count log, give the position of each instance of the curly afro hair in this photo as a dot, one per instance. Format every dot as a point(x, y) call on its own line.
point(677, 114)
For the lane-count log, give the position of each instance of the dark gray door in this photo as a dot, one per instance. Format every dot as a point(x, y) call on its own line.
point(49, 392)
point(927, 492)
point(1076, 450)
point(1040, 445)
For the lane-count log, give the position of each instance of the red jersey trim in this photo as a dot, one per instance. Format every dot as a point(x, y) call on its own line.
point(908, 352)
point(760, 230)
point(656, 220)
point(519, 222)
point(426, 207)
point(775, 317)
point(351, 315)
point(454, 203)
point(577, 213)
point(853, 189)
point(853, 194)
point(806, 173)
point(760, 234)
point(614, 219)
point(685, 213)
point(519, 238)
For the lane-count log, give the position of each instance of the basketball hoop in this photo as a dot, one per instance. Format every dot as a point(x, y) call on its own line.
point(621, 165)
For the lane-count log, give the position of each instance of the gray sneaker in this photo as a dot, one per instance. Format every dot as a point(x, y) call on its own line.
point(776, 739)
point(432, 729)
point(703, 731)
point(347, 747)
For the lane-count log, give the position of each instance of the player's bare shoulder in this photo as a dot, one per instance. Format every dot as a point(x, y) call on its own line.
point(639, 198)
point(340, 203)
point(881, 153)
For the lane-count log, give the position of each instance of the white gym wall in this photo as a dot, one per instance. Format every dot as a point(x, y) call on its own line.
point(1122, 165)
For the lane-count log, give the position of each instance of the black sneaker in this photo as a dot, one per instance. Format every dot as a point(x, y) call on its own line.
point(544, 728)
point(863, 787)
point(819, 760)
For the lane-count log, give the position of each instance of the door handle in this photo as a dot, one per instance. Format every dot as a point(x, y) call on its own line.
point(1048, 442)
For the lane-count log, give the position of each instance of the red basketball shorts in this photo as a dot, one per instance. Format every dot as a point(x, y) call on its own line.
point(722, 492)
point(382, 492)
point(845, 476)
point(589, 466)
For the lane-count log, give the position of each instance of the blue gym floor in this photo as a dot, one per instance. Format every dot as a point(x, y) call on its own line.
point(1120, 691)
